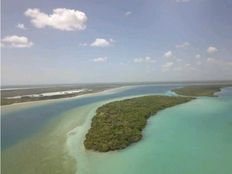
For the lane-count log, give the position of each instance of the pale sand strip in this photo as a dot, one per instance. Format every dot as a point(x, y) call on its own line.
point(46, 151)
point(76, 136)
point(25, 105)
point(59, 146)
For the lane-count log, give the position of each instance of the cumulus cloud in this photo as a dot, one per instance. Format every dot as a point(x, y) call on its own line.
point(21, 26)
point(100, 59)
point(166, 67)
point(183, 45)
point(182, 1)
point(128, 13)
point(144, 60)
point(100, 42)
point(16, 41)
point(168, 54)
point(61, 19)
point(212, 50)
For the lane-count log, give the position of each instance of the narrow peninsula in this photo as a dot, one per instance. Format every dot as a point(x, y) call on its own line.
point(118, 124)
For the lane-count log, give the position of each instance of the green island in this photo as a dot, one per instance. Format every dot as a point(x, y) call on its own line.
point(118, 124)
point(199, 90)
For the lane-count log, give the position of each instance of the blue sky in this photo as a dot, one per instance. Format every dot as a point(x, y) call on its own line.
point(60, 41)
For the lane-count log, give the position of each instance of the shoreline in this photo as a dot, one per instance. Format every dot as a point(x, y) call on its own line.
point(117, 125)
point(55, 137)
point(200, 90)
point(65, 96)
point(63, 139)
point(76, 136)
point(23, 105)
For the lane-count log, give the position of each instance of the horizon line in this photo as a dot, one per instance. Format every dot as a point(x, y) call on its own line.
point(134, 82)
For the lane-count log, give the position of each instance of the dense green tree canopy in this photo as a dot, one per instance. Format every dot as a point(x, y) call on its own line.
point(118, 124)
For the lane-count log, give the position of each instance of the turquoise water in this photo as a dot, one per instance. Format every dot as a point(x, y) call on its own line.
point(23, 124)
point(192, 138)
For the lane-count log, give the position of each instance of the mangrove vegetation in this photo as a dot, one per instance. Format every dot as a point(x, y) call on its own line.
point(199, 90)
point(118, 124)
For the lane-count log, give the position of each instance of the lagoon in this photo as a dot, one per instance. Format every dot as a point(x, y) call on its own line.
point(191, 138)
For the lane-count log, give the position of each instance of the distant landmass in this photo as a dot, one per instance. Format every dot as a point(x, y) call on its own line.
point(200, 90)
point(12, 95)
point(28, 93)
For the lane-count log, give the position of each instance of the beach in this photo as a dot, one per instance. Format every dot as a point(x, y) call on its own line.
point(39, 93)
point(24, 105)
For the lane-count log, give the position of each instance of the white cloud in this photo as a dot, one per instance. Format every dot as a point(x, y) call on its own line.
point(21, 26)
point(182, 1)
point(179, 60)
point(144, 60)
point(100, 42)
point(166, 67)
point(183, 45)
point(212, 50)
point(100, 59)
point(198, 56)
point(128, 13)
point(16, 41)
point(168, 54)
point(61, 19)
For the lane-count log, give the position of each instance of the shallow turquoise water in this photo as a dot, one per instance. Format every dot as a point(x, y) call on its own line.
point(192, 138)
point(22, 124)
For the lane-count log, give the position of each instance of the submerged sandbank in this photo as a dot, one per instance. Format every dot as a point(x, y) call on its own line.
point(45, 151)
point(76, 136)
